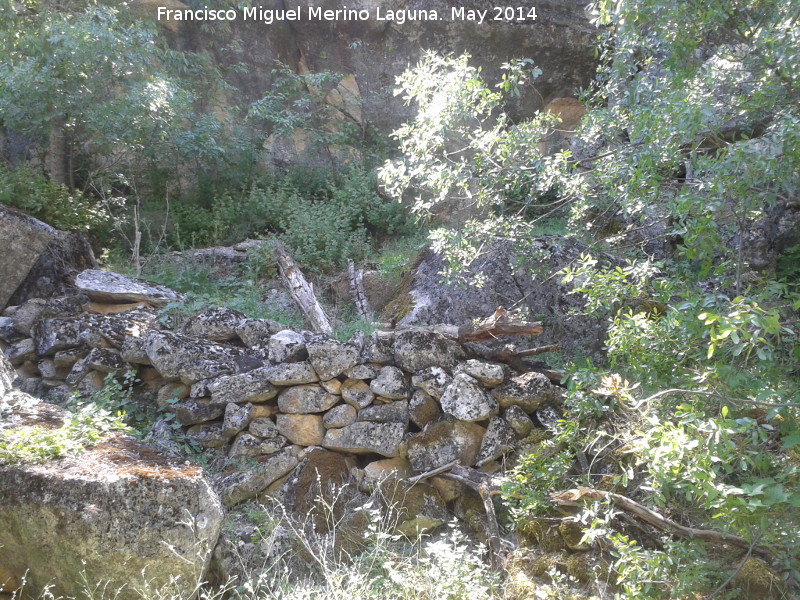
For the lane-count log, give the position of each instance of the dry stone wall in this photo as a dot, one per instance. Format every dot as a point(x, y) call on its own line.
point(411, 401)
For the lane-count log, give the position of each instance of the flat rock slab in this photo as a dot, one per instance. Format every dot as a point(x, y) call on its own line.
point(113, 288)
point(120, 513)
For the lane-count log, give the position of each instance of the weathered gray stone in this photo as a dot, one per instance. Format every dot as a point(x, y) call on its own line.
point(52, 335)
point(106, 360)
point(257, 332)
point(171, 393)
point(364, 437)
point(498, 440)
point(466, 400)
point(339, 416)
point(243, 485)
point(417, 350)
point(379, 470)
point(218, 324)
point(331, 358)
point(357, 393)
point(133, 351)
point(21, 351)
point(113, 288)
point(67, 358)
point(49, 370)
point(519, 421)
point(287, 346)
point(489, 374)
point(237, 418)
point(301, 429)
point(78, 371)
point(9, 333)
point(92, 339)
point(528, 391)
point(303, 399)
point(7, 377)
point(190, 359)
point(390, 383)
point(423, 409)
point(433, 380)
point(246, 445)
point(332, 386)
point(26, 314)
point(192, 412)
point(289, 373)
point(443, 442)
point(393, 412)
point(415, 508)
point(361, 372)
point(378, 351)
point(263, 427)
point(245, 387)
point(208, 435)
point(120, 513)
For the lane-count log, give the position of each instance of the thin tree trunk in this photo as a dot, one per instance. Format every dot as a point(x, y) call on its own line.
point(302, 291)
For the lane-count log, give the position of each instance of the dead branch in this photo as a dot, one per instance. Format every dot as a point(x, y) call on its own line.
point(301, 290)
point(573, 498)
point(357, 293)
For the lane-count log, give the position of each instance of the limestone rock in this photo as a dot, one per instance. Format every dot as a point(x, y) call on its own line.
point(67, 358)
point(106, 361)
point(25, 315)
point(423, 409)
point(519, 421)
point(379, 470)
point(445, 441)
point(9, 333)
point(289, 373)
point(171, 393)
point(417, 350)
point(52, 335)
point(7, 376)
point(433, 380)
point(365, 437)
point(241, 485)
point(218, 324)
point(301, 429)
point(331, 358)
point(257, 332)
point(419, 508)
point(246, 445)
point(390, 383)
point(245, 387)
point(263, 427)
point(113, 288)
point(361, 372)
point(208, 435)
point(377, 350)
point(120, 513)
point(392, 412)
point(498, 440)
point(177, 356)
point(287, 346)
point(339, 416)
point(23, 350)
point(320, 475)
point(528, 391)
point(133, 351)
point(192, 412)
point(303, 399)
point(357, 393)
point(466, 400)
point(237, 418)
point(332, 386)
point(489, 374)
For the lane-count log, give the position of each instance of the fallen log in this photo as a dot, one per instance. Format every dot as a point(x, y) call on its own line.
point(574, 497)
point(357, 293)
point(302, 291)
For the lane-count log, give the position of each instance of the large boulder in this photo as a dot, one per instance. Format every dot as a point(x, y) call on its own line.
point(38, 260)
point(120, 513)
point(113, 288)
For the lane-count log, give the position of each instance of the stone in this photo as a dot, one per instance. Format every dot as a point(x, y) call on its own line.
point(365, 437)
point(192, 412)
point(289, 374)
point(171, 393)
point(9, 333)
point(423, 409)
point(498, 440)
point(489, 374)
point(416, 509)
point(52, 335)
point(208, 435)
point(339, 416)
point(548, 417)
point(257, 332)
point(433, 380)
point(67, 358)
point(98, 308)
point(379, 470)
point(237, 418)
point(443, 442)
point(189, 359)
point(377, 350)
point(529, 391)
point(466, 400)
point(449, 490)
point(417, 350)
point(218, 324)
point(331, 358)
point(519, 421)
point(304, 399)
point(113, 288)
point(301, 429)
point(263, 427)
point(7, 377)
point(120, 513)
point(390, 383)
point(287, 346)
point(264, 411)
point(92, 339)
point(361, 372)
point(320, 475)
point(246, 445)
point(245, 387)
point(106, 361)
point(357, 393)
point(239, 486)
point(27, 314)
point(133, 351)
point(92, 382)
point(393, 412)
point(332, 386)
point(21, 351)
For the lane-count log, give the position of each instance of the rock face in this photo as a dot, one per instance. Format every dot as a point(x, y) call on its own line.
point(110, 514)
point(38, 260)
